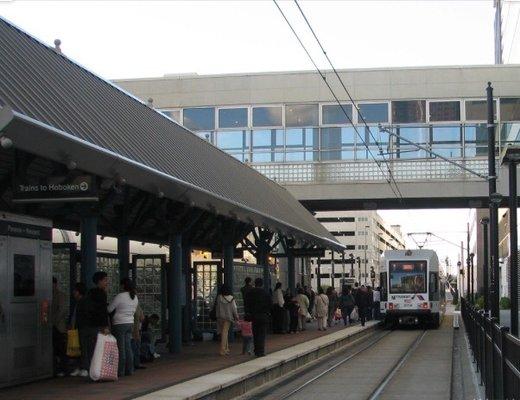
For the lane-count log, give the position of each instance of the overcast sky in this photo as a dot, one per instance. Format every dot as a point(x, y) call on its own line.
point(121, 39)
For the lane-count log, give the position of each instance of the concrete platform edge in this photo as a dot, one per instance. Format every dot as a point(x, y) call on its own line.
point(239, 379)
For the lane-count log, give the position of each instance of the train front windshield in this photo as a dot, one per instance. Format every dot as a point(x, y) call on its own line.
point(407, 277)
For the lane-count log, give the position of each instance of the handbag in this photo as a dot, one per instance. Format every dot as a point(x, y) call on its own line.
point(103, 366)
point(354, 315)
point(73, 347)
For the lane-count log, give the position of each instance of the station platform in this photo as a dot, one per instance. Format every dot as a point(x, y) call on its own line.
point(198, 369)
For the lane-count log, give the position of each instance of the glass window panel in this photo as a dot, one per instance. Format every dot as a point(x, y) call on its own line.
point(267, 138)
point(295, 156)
point(331, 155)
point(233, 140)
point(262, 157)
point(476, 110)
point(445, 111)
point(333, 114)
point(173, 114)
point(335, 138)
point(347, 154)
point(301, 115)
point(199, 119)
point(419, 135)
point(232, 117)
point(238, 156)
point(510, 109)
point(267, 116)
point(447, 133)
point(205, 135)
point(374, 112)
point(448, 152)
point(476, 133)
point(510, 132)
point(23, 275)
point(473, 150)
point(381, 136)
point(409, 111)
point(305, 137)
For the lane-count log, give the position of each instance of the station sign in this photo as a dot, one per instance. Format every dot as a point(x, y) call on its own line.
point(16, 229)
point(64, 188)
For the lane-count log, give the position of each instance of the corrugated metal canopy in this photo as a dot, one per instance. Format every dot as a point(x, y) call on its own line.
point(77, 115)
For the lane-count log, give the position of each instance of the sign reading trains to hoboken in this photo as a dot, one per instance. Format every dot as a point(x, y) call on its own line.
point(56, 188)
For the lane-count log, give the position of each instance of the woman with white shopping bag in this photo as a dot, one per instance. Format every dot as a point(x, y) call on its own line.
point(124, 305)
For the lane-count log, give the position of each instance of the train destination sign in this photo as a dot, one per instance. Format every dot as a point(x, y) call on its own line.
point(78, 188)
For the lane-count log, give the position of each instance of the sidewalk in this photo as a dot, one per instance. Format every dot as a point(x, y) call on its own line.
point(200, 359)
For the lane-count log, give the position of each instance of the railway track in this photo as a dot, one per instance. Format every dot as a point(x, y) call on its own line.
point(354, 373)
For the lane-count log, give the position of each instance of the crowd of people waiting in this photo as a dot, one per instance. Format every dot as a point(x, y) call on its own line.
point(93, 314)
point(283, 312)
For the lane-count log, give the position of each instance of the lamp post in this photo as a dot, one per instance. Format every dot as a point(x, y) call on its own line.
point(472, 283)
point(460, 282)
point(511, 156)
point(485, 263)
point(366, 234)
point(351, 260)
point(358, 259)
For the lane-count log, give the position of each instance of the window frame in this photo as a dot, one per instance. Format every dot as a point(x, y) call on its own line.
point(214, 129)
point(460, 101)
point(464, 118)
point(217, 117)
point(317, 125)
point(282, 107)
point(181, 117)
point(409, 123)
point(389, 109)
point(346, 103)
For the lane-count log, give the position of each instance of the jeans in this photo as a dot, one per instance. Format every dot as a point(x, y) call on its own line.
point(363, 311)
point(247, 344)
point(136, 350)
point(59, 343)
point(123, 335)
point(84, 345)
point(345, 313)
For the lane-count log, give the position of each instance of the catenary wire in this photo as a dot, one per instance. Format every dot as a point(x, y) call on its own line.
point(322, 75)
point(350, 98)
point(514, 36)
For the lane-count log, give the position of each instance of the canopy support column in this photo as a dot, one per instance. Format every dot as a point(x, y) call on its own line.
point(174, 291)
point(123, 254)
point(88, 248)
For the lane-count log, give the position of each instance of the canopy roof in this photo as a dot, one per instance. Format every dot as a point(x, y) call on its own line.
point(55, 109)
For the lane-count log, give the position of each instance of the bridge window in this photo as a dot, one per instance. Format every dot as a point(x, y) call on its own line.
point(333, 114)
point(302, 144)
point(475, 137)
point(409, 111)
point(510, 132)
point(173, 114)
point(301, 115)
point(232, 118)
point(233, 141)
point(418, 135)
point(267, 116)
point(447, 140)
point(374, 112)
point(267, 145)
point(444, 111)
point(337, 143)
point(476, 110)
point(199, 119)
point(510, 109)
point(206, 135)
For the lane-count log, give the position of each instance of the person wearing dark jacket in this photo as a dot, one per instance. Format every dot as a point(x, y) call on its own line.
point(363, 303)
point(78, 321)
point(257, 305)
point(97, 314)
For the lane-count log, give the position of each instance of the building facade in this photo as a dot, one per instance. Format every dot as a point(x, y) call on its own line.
point(365, 236)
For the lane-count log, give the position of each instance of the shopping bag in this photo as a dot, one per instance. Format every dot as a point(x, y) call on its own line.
point(354, 316)
point(73, 348)
point(337, 314)
point(103, 366)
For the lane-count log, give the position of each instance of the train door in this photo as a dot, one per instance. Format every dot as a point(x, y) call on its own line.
point(25, 327)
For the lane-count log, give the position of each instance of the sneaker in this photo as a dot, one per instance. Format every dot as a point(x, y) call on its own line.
point(76, 372)
point(156, 355)
point(83, 373)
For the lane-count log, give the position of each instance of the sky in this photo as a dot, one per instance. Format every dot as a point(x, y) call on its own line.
point(135, 39)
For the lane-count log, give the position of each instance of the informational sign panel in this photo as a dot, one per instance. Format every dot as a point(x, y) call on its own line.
point(237, 254)
point(16, 229)
point(64, 188)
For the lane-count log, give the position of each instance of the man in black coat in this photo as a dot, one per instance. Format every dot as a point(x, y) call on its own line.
point(362, 302)
point(257, 306)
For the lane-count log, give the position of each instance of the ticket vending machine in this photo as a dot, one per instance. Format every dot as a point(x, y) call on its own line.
point(25, 299)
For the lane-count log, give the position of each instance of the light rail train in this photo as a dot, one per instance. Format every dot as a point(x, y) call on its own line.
point(412, 288)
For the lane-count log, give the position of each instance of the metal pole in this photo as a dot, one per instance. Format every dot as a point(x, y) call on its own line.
point(513, 238)
point(468, 266)
point(472, 281)
point(123, 254)
point(174, 293)
point(493, 209)
point(359, 269)
point(332, 268)
point(228, 258)
point(485, 265)
point(290, 271)
point(343, 269)
point(318, 274)
point(366, 234)
point(88, 249)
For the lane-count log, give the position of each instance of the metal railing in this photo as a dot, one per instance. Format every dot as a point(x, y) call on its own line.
point(368, 171)
point(495, 352)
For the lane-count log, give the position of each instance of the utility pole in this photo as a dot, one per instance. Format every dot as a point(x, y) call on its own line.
point(494, 201)
point(498, 31)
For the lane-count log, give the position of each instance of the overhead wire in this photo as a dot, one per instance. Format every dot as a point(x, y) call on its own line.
point(322, 75)
point(514, 36)
point(376, 142)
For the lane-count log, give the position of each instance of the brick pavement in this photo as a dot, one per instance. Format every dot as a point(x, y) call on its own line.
point(196, 360)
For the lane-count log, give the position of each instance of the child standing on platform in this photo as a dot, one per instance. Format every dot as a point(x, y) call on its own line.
point(246, 328)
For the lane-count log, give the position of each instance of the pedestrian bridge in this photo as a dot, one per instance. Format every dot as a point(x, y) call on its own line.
point(422, 183)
